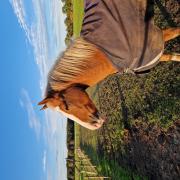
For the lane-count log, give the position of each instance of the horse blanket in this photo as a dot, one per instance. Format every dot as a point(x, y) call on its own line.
point(120, 29)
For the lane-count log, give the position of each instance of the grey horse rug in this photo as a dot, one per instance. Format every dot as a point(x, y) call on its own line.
point(119, 28)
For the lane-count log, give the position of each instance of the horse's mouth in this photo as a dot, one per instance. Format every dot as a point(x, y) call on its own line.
point(98, 123)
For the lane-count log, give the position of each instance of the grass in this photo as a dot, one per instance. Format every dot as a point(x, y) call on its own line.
point(77, 143)
point(110, 168)
point(77, 16)
point(104, 166)
point(147, 99)
point(77, 22)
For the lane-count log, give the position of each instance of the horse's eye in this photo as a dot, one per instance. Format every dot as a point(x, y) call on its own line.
point(64, 102)
point(66, 106)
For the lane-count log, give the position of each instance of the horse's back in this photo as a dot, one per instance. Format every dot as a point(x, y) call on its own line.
point(119, 28)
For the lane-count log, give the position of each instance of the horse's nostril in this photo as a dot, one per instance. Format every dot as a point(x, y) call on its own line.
point(94, 122)
point(96, 114)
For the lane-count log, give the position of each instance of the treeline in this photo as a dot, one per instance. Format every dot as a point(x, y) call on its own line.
point(68, 10)
point(70, 147)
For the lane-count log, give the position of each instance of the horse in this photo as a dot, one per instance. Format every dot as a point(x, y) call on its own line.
point(83, 64)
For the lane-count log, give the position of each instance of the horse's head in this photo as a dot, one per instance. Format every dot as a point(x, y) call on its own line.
point(76, 105)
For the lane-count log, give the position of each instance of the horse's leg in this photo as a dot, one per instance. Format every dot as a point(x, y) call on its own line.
point(170, 33)
point(170, 57)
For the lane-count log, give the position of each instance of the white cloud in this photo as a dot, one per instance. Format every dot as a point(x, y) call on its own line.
point(26, 103)
point(37, 32)
point(45, 33)
point(19, 10)
point(44, 161)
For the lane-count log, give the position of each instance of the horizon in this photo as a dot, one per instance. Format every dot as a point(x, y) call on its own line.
point(34, 143)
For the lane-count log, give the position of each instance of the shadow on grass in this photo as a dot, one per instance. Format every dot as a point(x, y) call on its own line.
point(166, 14)
point(110, 168)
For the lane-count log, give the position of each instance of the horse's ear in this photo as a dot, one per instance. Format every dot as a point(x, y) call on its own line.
point(44, 107)
point(50, 101)
point(44, 101)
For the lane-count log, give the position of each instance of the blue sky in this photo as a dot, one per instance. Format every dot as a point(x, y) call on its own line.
point(32, 143)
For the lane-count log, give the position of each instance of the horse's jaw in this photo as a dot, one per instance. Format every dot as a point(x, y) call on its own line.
point(84, 124)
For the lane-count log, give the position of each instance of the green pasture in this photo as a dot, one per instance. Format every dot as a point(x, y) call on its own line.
point(128, 100)
point(77, 16)
point(104, 166)
point(77, 22)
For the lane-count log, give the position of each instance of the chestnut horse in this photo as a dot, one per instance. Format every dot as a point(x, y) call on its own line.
point(115, 37)
point(81, 66)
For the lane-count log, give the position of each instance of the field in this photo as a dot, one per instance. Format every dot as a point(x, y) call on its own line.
point(141, 138)
point(105, 167)
point(77, 16)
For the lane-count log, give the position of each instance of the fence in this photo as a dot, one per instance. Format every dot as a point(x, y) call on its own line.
point(86, 170)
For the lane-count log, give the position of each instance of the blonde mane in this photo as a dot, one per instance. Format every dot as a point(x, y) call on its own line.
point(71, 65)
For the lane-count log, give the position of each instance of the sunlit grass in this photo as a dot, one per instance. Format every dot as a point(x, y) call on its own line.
point(77, 143)
point(77, 22)
point(78, 12)
point(163, 106)
point(104, 166)
point(110, 168)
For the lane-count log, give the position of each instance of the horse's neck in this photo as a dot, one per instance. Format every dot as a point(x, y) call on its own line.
point(100, 68)
point(97, 68)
